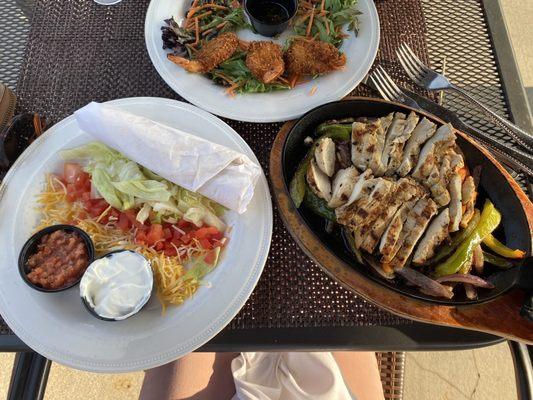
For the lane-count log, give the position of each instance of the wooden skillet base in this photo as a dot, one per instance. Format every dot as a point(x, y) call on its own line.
point(499, 316)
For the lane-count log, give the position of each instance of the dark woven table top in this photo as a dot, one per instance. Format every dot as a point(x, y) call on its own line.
point(78, 52)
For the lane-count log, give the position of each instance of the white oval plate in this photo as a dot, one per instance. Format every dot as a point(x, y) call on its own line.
point(262, 107)
point(57, 325)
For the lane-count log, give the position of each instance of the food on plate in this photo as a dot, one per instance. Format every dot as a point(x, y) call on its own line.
point(118, 285)
point(198, 165)
point(312, 57)
point(205, 42)
point(60, 259)
point(404, 200)
point(265, 61)
point(209, 56)
point(122, 205)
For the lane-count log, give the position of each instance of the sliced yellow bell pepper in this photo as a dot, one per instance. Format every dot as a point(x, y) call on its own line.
point(499, 248)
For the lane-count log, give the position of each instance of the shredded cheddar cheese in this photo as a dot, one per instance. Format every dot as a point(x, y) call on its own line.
point(173, 286)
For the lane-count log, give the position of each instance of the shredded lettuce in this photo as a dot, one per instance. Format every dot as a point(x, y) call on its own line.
point(125, 184)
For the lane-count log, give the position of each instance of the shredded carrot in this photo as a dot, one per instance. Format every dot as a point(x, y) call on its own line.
point(283, 80)
point(313, 90)
point(231, 90)
point(294, 81)
point(204, 14)
point(327, 27)
point(196, 31)
point(310, 24)
point(219, 26)
point(189, 13)
point(207, 31)
point(322, 5)
point(191, 47)
point(194, 10)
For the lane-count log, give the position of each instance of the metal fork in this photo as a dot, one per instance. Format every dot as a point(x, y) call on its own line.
point(432, 80)
point(515, 159)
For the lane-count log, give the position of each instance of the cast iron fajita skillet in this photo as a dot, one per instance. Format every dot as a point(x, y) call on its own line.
point(334, 257)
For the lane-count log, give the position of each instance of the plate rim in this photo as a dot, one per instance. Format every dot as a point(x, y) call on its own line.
point(212, 328)
point(260, 118)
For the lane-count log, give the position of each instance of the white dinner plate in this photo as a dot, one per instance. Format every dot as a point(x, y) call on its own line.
point(58, 326)
point(263, 107)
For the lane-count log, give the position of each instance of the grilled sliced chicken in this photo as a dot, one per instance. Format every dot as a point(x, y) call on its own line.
point(438, 182)
point(343, 185)
point(359, 130)
point(362, 190)
point(318, 181)
point(433, 150)
point(373, 190)
point(468, 200)
point(367, 208)
point(367, 144)
point(413, 228)
point(456, 211)
point(325, 156)
point(370, 209)
point(360, 186)
point(405, 190)
point(395, 132)
point(435, 234)
point(398, 144)
point(389, 243)
point(423, 131)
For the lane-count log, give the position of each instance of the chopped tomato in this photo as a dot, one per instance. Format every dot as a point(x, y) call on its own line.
point(186, 239)
point(71, 171)
point(170, 252)
point(210, 257)
point(155, 234)
point(123, 222)
point(184, 225)
point(175, 234)
point(206, 232)
point(97, 207)
point(159, 245)
point(167, 234)
point(205, 243)
point(140, 237)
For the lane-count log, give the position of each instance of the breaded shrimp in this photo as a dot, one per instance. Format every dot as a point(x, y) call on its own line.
point(265, 60)
point(211, 54)
point(312, 57)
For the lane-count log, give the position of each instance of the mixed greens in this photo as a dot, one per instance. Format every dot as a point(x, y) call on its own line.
point(322, 20)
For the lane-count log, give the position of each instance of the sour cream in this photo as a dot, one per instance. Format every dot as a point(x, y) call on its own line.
point(118, 285)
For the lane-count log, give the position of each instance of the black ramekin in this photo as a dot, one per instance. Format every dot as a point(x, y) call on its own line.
point(30, 247)
point(270, 29)
point(94, 313)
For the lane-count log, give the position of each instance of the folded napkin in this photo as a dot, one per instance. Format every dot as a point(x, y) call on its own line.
point(217, 172)
point(288, 376)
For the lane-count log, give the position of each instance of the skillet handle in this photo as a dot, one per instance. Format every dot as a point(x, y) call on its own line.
point(527, 308)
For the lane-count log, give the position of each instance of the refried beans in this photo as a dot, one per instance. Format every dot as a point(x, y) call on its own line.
point(61, 259)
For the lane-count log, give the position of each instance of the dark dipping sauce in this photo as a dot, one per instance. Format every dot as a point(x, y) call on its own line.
point(269, 12)
point(61, 259)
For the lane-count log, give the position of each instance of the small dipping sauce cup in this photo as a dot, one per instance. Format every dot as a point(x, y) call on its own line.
point(270, 17)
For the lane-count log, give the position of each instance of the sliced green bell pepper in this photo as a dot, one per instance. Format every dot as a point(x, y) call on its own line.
point(498, 261)
point(297, 185)
point(318, 205)
point(458, 239)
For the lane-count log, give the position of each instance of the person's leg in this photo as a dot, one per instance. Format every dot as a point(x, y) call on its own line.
point(361, 374)
point(197, 376)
